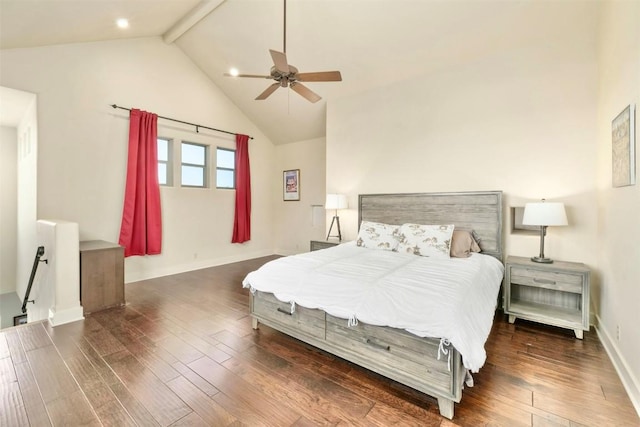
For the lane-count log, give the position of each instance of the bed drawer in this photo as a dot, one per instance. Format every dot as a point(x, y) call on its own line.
point(308, 321)
point(398, 353)
point(561, 281)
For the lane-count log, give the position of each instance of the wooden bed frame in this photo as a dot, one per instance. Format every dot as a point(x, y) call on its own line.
point(391, 352)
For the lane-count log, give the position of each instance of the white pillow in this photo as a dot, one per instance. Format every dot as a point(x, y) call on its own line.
point(426, 240)
point(376, 235)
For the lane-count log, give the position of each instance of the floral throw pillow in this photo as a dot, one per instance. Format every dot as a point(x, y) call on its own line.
point(376, 235)
point(426, 240)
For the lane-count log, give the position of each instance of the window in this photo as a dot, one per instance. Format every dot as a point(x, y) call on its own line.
point(225, 168)
point(164, 162)
point(194, 165)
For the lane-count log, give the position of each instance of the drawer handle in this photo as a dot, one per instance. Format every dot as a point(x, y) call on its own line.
point(283, 311)
point(377, 345)
point(545, 281)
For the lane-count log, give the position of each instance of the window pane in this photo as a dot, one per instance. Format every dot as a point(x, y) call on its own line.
point(193, 175)
point(162, 173)
point(163, 149)
point(224, 179)
point(226, 159)
point(193, 154)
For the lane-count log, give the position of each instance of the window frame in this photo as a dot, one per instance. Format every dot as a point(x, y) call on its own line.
point(168, 163)
point(205, 167)
point(219, 168)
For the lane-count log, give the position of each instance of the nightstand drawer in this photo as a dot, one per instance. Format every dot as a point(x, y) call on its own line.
point(316, 245)
point(561, 281)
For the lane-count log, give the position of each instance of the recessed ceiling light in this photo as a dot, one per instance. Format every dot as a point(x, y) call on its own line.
point(122, 23)
point(234, 72)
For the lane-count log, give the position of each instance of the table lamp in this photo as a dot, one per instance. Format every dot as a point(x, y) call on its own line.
point(335, 202)
point(544, 214)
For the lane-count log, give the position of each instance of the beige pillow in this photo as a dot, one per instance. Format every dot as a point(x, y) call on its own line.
point(462, 244)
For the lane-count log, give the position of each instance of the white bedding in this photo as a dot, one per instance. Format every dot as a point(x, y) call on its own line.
point(453, 298)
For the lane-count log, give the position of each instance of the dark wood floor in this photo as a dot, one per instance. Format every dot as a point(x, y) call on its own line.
point(182, 352)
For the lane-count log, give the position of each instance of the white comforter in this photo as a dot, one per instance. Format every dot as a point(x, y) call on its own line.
point(453, 298)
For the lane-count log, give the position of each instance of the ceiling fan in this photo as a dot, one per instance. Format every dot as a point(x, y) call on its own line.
point(287, 75)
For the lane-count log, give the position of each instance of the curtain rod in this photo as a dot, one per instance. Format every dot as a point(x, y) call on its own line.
point(185, 123)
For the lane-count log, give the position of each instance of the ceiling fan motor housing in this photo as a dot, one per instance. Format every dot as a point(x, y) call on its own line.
point(284, 78)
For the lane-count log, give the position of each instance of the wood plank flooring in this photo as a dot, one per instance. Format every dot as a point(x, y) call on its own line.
point(182, 353)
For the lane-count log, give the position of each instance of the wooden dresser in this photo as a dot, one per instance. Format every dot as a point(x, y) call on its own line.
point(101, 275)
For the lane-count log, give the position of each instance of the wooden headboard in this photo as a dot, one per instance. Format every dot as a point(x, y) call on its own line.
point(480, 211)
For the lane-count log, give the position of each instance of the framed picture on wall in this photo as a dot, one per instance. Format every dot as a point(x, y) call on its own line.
point(291, 185)
point(623, 154)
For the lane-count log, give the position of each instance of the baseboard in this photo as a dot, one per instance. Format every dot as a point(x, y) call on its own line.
point(630, 383)
point(192, 266)
point(286, 252)
point(69, 315)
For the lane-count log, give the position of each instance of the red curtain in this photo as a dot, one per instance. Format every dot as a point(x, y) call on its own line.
point(141, 228)
point(242, 220)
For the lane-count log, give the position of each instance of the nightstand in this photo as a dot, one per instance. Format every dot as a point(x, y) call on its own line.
point(554, 294)
point(316, 245)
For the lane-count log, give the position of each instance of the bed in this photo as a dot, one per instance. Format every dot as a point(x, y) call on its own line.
point(287, 295)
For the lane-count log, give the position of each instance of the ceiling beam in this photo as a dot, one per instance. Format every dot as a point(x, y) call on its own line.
point(190, 19)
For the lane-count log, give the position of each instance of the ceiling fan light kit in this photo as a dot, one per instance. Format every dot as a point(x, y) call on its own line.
point(286, 75)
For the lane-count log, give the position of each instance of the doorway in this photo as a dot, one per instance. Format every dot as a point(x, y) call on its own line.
point(18, 196)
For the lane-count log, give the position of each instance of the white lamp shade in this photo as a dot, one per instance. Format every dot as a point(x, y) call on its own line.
point(544, 214)
point(336, 201)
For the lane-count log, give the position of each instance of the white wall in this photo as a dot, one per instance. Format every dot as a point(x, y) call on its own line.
point(27, 194)
point(10, 306)
point(295, 222)
point(56, 285)
point(83, 146)
point(8, 209)
point(619, 227)
point(522, 122)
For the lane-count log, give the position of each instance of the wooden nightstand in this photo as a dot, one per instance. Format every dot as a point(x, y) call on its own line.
point(554, 294)
point(316, 245)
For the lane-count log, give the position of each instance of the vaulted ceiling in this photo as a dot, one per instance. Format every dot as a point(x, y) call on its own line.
point(372, 42)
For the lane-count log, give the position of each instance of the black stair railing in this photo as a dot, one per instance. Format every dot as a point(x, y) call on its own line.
point(36, 262)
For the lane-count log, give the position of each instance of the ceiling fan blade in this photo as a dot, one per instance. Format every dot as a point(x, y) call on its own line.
point(280, 61)
point(321, 76)
point(305, 92)
point(268, 91)
point(255, 76)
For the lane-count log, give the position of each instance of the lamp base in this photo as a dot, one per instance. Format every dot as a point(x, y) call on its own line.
point(336, 220)
point(541, 260)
